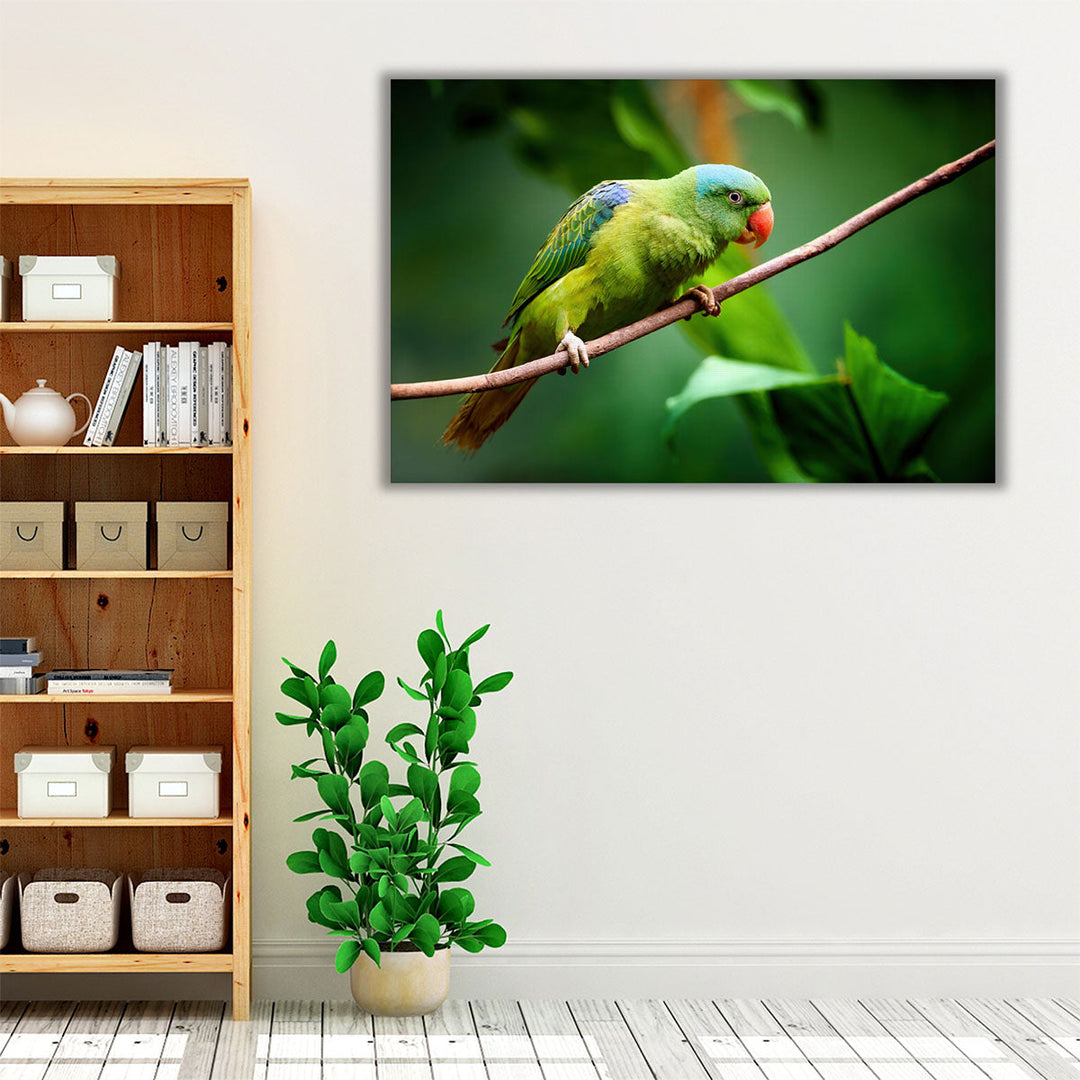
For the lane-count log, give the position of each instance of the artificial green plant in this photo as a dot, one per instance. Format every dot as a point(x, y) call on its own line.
point(391, 846)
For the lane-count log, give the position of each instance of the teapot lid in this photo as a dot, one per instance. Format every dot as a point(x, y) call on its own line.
point(41, 388)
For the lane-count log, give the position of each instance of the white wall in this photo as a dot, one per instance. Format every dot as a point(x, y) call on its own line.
point(760, 740)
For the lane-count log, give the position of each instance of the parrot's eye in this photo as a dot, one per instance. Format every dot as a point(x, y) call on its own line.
point(735, 197)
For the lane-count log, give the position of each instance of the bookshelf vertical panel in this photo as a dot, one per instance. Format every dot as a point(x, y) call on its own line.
point(241, 586)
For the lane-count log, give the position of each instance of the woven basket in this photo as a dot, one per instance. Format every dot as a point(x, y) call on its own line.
point(67, 910)
point(179, 910)
point(7, 905)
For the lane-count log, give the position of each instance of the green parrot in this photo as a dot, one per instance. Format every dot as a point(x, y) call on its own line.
point(624, 250)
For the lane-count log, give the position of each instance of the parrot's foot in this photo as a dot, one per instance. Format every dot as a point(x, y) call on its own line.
point(575, 347)
point(704, 296)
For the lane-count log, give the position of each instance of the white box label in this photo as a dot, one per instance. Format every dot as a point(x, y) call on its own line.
point(62, 789)
point(67, 292)
point(172, 788)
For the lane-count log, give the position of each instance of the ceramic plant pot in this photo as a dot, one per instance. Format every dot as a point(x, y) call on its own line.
point(407, 984)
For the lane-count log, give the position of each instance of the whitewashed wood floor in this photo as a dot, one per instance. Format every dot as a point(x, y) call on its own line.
point(547, 1040)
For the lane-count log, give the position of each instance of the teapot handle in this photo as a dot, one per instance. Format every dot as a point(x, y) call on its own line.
point(89, 414)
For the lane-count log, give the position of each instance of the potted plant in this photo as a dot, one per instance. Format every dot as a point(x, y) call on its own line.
point(393, 847)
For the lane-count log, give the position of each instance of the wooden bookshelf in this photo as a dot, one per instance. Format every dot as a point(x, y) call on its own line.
point(184, 251)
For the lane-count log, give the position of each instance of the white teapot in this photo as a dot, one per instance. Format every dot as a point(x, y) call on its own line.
point(43, 417)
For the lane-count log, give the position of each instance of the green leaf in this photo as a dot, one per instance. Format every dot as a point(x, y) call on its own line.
point(455, 905)
point(359, 861)
point(399, 731)
point(311, 815)
point(334, 791)
point(374, 779)
point(642, 127)
point(379, 919)
point(333, 694)
point(430, 647)
point(469, 943)
point(347, 955)
point(327, 737)
point(470, 854)
point(368, 689)
point(303, 690)
point(458, 689)
point(456, 869)
point(475, 636)
point(314, 906)
point(438, 675)
point(410, 814)
point(415, 694)
point(423, 783)
point(303, 862)
point(336, 714)
point(326, 661)
point(439, 624)
point(389, 812)
point(716, 377)
point(288, 721)
point(330, 866)
point(466, 778)
point(371, 947)
point(425, 934)
point(299, 672)
point(350, 742)
point(493, 935)
point(794, 99)
point(493, 683)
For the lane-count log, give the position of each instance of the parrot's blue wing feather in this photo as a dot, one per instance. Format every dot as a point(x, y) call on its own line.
point(569, 242)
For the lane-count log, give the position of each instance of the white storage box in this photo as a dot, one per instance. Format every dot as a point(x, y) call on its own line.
point(7, 907)
point(110, 536)
point(5, 289)
point(31, 535)
point(174, 781)
point(192, 535)
point(65, 781)
point(59, 288)
point(179, 910)
point(67, 910)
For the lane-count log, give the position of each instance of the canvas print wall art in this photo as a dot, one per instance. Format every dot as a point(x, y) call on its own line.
point(532, 219)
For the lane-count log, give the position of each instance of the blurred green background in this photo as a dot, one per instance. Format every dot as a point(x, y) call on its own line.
point(482, 169)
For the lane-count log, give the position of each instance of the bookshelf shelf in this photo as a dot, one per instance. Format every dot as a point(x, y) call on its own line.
point(119, 575)
point(11, 963)
point(52, 451)
point(184, 246)
point(177, 697)
point(114, 327)
point(9, 818)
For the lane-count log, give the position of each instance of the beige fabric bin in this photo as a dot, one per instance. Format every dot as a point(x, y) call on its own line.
point(31, 536)
point(192, 535)
point(66, 910)
point(179, 910)
point(7, 907)
point(110, 536)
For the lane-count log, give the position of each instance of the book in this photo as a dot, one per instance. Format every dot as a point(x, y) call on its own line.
point(33, 685)
point(162, 396)
point(112, 674)
point(185, 371)
point(25, 659)
point(17, 669)
point(226, 395)
point(111, 395)
point(201, 397)
point(149, 400)
point(107, 686)
point(126, 381)
point(17, 645)
point(172, 381)
point(95, 416)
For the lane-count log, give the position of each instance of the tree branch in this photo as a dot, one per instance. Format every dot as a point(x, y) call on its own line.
point(609, 342)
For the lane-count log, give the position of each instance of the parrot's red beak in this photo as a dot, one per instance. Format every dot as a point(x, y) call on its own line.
point(758, 226)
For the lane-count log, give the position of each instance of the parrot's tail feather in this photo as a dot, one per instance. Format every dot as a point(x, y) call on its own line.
point(481, 415)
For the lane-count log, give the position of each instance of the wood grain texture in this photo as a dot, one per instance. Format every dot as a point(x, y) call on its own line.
point(560, 1049)
point(453, 1045)
point(718, 1048)
point(348, 1045)
point(30, 1048)
point(609, 1039)
point(243, 1045)
point(85, 1045)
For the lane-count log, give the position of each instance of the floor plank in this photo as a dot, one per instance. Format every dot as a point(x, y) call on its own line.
point(295, 1051)
point(776, 1053)
point(884, 1055)
point(1055, 1021)
point(720, 1051)
point(136, 1048)
point(348, 1042)
point(504, 1040)
point(609, 1040)
point(191, 1043)
point(10, 1014)
point(30, 1048)
point(819, 1042)
point(453, 1045)
point(85, 1046)
point(560, 1049)
point(661, 1040)
point(244, 1045)
point(401, 1051)
point(1022, 1037)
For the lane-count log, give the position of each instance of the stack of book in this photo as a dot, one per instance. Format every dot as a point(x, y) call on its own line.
point(18, 658)
point(187, 394)
point(110, 681)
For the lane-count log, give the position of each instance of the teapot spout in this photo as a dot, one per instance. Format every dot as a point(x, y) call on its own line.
point(9, 411)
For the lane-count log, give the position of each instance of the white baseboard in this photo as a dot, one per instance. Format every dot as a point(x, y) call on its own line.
point(569, 969)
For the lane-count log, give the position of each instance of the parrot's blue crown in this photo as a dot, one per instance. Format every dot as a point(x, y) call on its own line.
point(717, 179)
